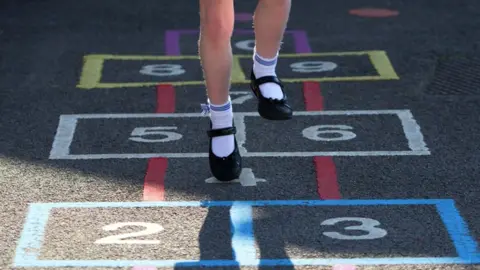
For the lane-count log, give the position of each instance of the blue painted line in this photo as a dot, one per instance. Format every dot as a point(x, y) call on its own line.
point(458, 230)
point(31, 238)
point(243, 241)
point(256, 263)
point(250, 203)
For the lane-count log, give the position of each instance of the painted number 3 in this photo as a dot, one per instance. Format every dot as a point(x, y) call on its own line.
point(367, 225)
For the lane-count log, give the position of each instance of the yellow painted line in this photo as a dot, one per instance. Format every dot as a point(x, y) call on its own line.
point(243, 81)
point(91, 72)
point(237, 72)
point(240, 56)
point(382, 65)
point(93, 65)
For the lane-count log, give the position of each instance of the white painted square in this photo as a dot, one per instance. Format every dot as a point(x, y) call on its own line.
point(68, 126)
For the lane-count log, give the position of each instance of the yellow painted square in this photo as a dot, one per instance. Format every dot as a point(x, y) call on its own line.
point(93, 66)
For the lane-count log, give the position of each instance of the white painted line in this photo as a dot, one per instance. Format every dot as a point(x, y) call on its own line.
point(248, 154)
point(412, 132)
point(63, 137)
point(68, 123)
point(246, 179)
point(241, 133)
point(192, 115)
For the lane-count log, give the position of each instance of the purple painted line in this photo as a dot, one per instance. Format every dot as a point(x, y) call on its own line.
point(172, 42)
point(301, 41)
point(172, 39)
point(243, 17)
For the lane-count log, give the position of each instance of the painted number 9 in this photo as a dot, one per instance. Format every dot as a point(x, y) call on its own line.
point(334, 132)
point(367, 225)
point(313, 66)
point(246, 45)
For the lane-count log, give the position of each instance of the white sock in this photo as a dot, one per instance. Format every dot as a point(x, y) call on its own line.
point(266, 67)
point(222, 117)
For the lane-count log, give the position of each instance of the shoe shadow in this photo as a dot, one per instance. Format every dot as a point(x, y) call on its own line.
point(216, 245)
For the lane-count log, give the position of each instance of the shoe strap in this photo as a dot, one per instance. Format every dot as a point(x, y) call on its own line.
point(268, 79)
point(222, 132)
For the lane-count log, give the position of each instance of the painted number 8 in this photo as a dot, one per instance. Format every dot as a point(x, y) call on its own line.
point(162, 70)
point(334, 132)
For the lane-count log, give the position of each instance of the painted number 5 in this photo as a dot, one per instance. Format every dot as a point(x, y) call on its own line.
point(334, 132)
point(150, 228)
point(368, 225)
point(139, 133)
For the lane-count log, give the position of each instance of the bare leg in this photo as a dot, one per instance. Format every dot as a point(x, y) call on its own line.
point(216, 27)
point(270, 21)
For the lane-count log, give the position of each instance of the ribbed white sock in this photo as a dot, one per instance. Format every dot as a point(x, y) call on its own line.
point(222, 117)
point(266, 67)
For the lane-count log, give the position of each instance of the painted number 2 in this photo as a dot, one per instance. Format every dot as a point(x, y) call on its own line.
point(367, 225)
point(150, 228)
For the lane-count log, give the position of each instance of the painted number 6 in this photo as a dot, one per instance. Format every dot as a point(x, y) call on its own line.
point(139, 132)
point(339, 132)
point(367, 225)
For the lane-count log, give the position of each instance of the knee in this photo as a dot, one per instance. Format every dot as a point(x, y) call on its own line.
point(282, 4)
point(217, 27)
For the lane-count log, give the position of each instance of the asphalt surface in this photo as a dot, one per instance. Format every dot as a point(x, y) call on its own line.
point(415, 137)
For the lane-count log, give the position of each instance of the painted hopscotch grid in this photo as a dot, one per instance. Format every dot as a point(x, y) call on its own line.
point(91, 76)
point(30, 242)
point(67, 126)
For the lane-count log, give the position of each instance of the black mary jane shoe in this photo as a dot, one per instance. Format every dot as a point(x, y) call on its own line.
point(224, 168)
point(268, 108)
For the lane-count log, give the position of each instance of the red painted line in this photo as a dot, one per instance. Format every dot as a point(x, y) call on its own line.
point(327, 184)
point(374, 12)
point(165, 99)
point(312, 95)
point(154, 182)
point(154, 185)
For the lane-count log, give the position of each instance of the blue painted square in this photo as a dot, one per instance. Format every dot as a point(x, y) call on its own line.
point(30, 243)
